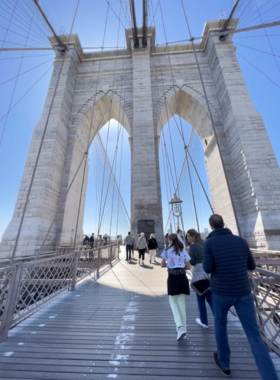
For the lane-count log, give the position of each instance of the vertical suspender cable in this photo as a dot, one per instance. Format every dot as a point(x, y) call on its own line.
point(193, 199)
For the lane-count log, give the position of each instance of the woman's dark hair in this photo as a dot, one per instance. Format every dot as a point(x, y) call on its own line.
point(216, 221)
point(195, 234)
point(176, 243)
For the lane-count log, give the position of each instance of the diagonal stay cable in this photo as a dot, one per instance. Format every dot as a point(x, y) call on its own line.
point(27, 71)
point(261, 51)
point(260, 71)
point(212, 120)
point(67, 191)
point(34, 84)
point(16, 82)
point(41, 143)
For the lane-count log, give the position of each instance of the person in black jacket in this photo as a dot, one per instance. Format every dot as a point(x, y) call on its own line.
point(86, 240)
point(228, 258)
point(91, 240)
point(153, 247)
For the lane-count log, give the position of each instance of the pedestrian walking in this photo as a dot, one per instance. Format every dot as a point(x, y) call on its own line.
point(91, 241)
point(132, 248)
point(177, 261)
point(86, 240)
point(180, 236)
point(200, 280)
point(100, 241)
point(141, 245)
point(166, 241)
point(153, 247)
point(228, 258)
point(129, 242)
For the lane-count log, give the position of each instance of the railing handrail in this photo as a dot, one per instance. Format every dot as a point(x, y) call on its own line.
point(48, 276)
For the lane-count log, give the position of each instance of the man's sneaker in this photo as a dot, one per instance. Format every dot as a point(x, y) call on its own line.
point(181, 333)
point(198, 321)
point(226, 372)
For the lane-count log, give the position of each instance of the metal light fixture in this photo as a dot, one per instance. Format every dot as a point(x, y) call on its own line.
point(176, 207)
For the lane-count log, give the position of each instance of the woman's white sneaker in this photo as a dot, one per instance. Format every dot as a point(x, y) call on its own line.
point(198, 321)
point(181, 333)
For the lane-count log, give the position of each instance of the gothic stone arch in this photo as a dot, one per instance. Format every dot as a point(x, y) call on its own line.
point(144, 77)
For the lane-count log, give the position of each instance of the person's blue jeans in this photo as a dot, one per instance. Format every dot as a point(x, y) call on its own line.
point(245, 310)
point(128, 251)
point(201, 303)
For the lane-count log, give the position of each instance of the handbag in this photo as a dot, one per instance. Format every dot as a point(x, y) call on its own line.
point(201, 287)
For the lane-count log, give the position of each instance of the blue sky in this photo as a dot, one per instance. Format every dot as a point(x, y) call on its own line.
point(89, 25)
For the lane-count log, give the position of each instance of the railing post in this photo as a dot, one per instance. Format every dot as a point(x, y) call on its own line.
point(98, 261)
point(74, 276)
point(11, 300)
point(111, 254)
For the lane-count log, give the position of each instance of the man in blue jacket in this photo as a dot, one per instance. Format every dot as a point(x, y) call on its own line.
point(228, 258)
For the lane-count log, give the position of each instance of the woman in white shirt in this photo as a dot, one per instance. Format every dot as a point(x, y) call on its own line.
point(177, 261)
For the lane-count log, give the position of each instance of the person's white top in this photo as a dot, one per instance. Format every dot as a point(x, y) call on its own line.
point(181, 239)
point(175, 261)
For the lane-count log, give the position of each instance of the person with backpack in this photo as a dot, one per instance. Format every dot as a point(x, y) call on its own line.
point(153, 247)
point(176, 259)
point(141, 245)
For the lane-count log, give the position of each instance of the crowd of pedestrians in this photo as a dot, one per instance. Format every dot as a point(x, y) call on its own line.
point(219, 277)
point(92, 242)
point(219, 268)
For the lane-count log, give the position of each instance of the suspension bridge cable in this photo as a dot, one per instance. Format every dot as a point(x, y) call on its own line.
point(262, 14)
point(258, 50)
point(88, 143)
point(21, 35)
point(41, 145)
point(100, 208)
point(63, 198)
point(32, 34)
point(212, 120)
point(14, 89)
point(198, 177)
point(170, 67)
point(28, 56)
point(34, 84)
point(268, 40)
point(260, 71)
point(259, 36)
point(7, 30)
point(24, 72)
point(21, 19)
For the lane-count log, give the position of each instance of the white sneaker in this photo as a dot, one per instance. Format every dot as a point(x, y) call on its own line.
point(198, 321)
point(181, 333)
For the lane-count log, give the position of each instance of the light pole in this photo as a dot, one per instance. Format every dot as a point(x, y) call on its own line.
point(176, 207)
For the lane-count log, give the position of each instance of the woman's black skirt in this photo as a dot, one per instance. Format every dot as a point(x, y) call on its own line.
point(177, 282)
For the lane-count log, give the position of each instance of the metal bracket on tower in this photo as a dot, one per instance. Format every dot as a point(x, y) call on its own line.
point(134, 24)
point(144, 41)
point(226, 23)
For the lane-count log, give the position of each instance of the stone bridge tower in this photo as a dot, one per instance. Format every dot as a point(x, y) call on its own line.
point(86, 97)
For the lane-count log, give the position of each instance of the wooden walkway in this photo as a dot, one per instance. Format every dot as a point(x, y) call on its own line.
point(120, 327)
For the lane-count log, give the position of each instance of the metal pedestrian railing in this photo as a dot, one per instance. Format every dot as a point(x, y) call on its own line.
point(266, 292)
point(26, 287)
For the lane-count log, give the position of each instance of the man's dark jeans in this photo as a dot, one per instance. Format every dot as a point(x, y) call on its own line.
point(201, 303)
point(244, 307)
point(128, 251)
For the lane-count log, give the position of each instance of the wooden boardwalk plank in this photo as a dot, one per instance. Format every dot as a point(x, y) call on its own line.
point(120, 327)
